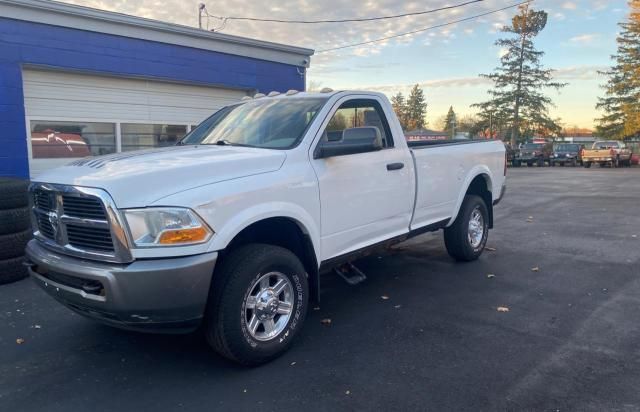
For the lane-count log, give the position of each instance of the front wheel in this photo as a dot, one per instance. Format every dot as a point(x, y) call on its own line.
point(466, 238)
point(258, 302)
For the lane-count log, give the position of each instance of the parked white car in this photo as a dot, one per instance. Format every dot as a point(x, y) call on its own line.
point(232, 228)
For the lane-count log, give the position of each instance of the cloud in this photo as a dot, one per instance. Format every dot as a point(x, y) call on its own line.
point(320, 36)
point(569, 5)
point(565, 74)
point(586, 38)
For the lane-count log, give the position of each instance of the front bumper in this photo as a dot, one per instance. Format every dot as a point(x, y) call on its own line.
point(563, 159)
point(159, 295)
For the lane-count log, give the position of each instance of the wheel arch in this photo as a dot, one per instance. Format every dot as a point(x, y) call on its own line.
point(284, 231)
point(478, 183)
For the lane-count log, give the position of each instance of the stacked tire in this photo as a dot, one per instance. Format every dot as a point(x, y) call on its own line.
point(15, 229)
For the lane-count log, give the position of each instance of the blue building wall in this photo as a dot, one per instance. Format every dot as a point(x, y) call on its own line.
point(58, 47)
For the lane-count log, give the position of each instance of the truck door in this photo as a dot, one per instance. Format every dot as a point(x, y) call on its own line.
point(365, 198)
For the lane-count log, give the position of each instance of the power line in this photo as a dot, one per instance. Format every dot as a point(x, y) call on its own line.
point(424, 29)
point(417, 13)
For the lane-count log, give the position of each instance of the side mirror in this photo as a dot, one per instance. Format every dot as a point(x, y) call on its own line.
point(354, 140)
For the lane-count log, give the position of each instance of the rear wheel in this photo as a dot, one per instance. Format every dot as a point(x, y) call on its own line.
point(466, 238)
point(586, 164)
point(257, 305)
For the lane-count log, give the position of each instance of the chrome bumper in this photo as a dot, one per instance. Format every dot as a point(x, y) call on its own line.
point(160, 295)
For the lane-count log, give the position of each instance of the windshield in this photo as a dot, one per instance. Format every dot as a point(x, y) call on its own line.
point(267, 123)
point(567, 148)
point(605, 145)
point(532, 146)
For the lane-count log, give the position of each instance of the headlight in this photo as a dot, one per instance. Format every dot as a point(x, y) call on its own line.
point(166, 227)
point(569, 155)
point(554, 155)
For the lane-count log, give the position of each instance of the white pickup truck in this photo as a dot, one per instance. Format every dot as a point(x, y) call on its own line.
point(231, 229)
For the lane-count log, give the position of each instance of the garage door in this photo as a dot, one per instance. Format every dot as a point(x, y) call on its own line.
point(72, 115)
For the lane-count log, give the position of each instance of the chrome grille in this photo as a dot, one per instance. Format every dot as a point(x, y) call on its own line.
point(89, 237)
point(83, 207)
point(79, 221)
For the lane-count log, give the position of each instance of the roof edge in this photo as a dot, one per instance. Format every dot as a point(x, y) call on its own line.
point(89, 19)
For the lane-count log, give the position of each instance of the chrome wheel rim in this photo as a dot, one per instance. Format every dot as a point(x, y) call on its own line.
point(476, 228)
point(268, 306)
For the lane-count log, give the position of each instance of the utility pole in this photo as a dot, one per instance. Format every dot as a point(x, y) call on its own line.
point(453, 127)
point(201, 8)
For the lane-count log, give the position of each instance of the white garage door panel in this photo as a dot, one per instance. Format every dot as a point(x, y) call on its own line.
point(65, 95)
point(74, 97)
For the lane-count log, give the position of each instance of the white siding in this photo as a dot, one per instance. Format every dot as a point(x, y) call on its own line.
point(70, 96)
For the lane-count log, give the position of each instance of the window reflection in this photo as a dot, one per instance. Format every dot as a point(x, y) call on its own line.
point(55, 139)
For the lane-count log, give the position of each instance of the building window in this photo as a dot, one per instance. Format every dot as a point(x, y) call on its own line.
point(146, 136)
point(55, 139)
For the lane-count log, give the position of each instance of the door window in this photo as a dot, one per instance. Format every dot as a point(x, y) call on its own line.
point(358, 113)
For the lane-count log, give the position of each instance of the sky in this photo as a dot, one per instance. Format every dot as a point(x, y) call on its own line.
point(578, 42)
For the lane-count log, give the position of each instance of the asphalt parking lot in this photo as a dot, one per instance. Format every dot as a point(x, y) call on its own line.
point(566, 265)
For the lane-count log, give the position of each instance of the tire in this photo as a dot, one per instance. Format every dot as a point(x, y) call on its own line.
point(226, 325)
point(516, 163)
point(574, 163)
point(456, 236)
point(14, 220)
point(13, 245)
point(616, 163)
point(552, 164)
point(586, 165)
point(529, 164)
point(602, 165)
point(540, 162)
point(12, 270)
point(13, 193)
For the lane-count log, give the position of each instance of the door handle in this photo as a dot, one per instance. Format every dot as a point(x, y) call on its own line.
point(395, 166)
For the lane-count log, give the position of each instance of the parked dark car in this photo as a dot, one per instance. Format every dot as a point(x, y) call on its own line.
point(567, 154)
point(533, 153)
point(511, 153)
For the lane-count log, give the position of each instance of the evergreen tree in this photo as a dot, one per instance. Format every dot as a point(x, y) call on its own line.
point(400, 108)
point(621, 103)
point(416, 109)
point(517, 98)
point(450, 121)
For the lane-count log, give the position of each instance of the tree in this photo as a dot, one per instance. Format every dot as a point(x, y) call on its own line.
point(400, 108)
point(621, 102)
point(517, 98)
point(416, 109)
point(450, 122)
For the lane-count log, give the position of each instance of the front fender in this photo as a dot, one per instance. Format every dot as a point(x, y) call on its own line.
point(245, 218)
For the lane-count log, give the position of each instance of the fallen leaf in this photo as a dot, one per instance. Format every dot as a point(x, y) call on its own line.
point(384, 297)
point(490, 249)
point(326, 321)
point(347, 393)
point(19, 341)
point(37, 326)
point(397, 306)
point(634, 236)
point(293, 363)
point(535, 269)
point(503, 309)
point(316, 308)
point(491, 275)
point(245, 391)
point(530, 217)
point(529, 221)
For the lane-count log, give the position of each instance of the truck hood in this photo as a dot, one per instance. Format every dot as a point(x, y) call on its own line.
point(137, 179)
